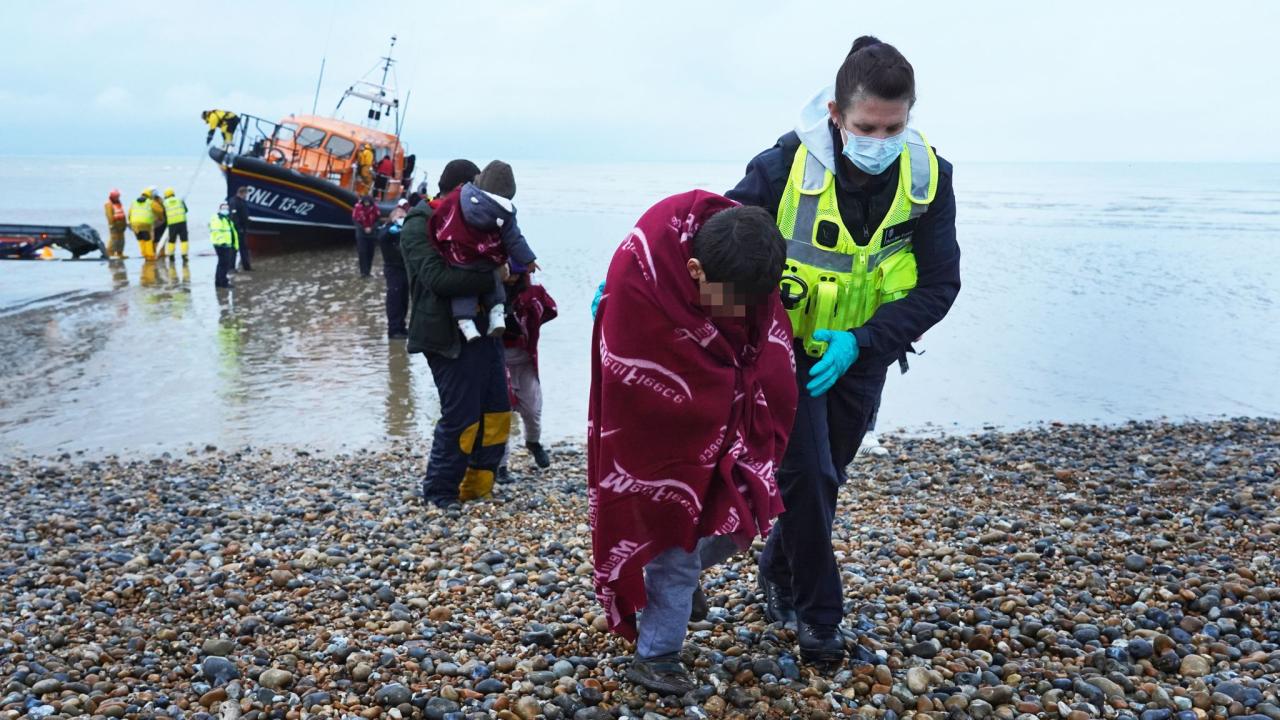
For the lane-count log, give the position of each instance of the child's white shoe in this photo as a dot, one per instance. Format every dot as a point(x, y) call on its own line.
point(469, 330)
point(497, 320)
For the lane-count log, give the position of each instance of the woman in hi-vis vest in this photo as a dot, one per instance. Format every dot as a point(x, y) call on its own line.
point(869, 213)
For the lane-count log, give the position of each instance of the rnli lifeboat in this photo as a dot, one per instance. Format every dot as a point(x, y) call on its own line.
point(305, 173)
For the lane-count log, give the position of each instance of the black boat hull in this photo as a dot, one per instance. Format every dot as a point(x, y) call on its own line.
point(287, 208)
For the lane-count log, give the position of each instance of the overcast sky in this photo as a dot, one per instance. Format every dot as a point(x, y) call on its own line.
point(603, 81)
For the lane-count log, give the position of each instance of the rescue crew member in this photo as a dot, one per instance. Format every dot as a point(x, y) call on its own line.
point(861, 197)
point(364, 169)
point(223, 120)
point(225, 239)
point(386, 168)
point(142, 221)
point(175, 212)
point(117, 221)
point(160, 222)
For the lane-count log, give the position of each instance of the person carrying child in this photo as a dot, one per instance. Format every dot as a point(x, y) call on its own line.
point(474, 228)
point(693, 394)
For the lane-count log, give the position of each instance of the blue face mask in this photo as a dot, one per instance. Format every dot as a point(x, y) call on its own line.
point(873, 155)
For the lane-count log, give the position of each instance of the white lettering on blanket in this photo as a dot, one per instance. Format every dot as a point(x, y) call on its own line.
point(618, 555)
point(659, 491)
point(638, 245)
point(761, 471)
point(703, 335)
point(779, 335)
point(632, 371)
point(730, 524)
point(593, 507)
point(687, 229)
point(709, 454)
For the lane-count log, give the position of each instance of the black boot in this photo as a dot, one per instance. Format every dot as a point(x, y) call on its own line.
point(664, 674)
point(539, 454)
point(820, 644)
point(778, 605)
point(700, 609)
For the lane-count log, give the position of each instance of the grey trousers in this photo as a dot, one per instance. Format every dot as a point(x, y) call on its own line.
point(528, 391)
point(669, 582)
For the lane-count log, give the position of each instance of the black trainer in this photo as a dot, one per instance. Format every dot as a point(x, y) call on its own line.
point(820, 644)
point(503, 475)
point(778, 605)
point(700, 608)
point(664, 674)
point(540, 455)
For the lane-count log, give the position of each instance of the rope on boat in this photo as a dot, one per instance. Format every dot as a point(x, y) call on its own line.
point(199, 166)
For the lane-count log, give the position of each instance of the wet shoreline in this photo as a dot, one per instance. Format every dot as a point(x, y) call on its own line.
point(1074, 571)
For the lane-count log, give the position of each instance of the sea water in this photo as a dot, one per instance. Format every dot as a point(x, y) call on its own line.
point(1094, 293)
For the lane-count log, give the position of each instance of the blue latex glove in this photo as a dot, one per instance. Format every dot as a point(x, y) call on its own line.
point(595, 304)
point(842, 351)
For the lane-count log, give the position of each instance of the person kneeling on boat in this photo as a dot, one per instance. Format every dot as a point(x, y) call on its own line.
point(225, 239)
point(141, 220)
point(223, 120)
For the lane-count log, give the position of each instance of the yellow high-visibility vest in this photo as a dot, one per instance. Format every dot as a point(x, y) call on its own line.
point(839, 283)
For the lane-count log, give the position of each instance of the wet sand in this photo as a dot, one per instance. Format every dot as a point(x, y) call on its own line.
point(1074, 572)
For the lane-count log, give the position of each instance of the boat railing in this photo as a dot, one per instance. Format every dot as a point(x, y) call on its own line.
point(271, 142)
point(274, 143)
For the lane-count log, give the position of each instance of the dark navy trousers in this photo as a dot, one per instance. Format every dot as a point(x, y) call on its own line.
point(475, 419)
point(244, 249)
point(397, 278)
point(825, 438)
point(365, 245)
point(226, 262)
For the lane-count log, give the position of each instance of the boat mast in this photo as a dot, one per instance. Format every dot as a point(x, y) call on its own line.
point(382, 100)
point(386, 68)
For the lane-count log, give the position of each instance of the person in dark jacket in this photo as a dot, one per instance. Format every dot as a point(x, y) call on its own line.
point(365, 216)
point(239, 205)
point(471, 378)
point(397, 299)
point(852, 139)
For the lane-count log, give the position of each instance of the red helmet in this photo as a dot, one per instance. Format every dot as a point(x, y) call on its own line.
point(114, 194)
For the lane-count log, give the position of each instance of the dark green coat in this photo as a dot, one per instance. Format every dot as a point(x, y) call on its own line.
point(432, 282)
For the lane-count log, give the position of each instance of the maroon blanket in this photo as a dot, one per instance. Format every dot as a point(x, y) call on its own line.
point(686, 427)
point(460, 244)
point(532, 308)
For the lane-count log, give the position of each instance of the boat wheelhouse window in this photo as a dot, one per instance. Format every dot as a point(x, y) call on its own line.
point(286, 132)
point(339, 146)
point(309, 137)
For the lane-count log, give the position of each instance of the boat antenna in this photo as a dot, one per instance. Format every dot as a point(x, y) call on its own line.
point(387, 66)
point(401, 112)
point(323, 56)
point(318, 81)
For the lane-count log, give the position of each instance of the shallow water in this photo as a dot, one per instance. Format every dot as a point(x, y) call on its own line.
point(1092, 293)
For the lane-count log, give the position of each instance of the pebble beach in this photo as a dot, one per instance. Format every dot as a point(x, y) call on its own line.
point(1130, 571)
